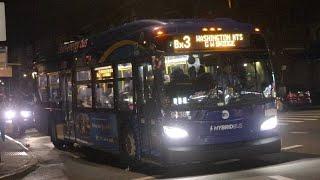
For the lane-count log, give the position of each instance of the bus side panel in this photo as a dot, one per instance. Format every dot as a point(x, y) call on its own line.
point(98, 129)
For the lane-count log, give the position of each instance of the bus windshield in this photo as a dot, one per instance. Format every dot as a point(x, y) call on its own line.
point(210, 80)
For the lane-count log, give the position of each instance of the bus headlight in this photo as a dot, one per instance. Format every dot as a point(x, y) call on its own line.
point(25, 114)
point(269, 124)
point(9, 121)
point(10, 114)
point(175, 132)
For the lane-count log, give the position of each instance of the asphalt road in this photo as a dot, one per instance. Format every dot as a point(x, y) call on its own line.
point(299, 159)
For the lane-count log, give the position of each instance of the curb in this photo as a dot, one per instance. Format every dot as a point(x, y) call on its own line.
point(30, 166)
point(22, 171)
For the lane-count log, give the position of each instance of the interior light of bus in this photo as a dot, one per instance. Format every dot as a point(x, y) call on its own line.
point(205, 29)
point(212, 29)
point(245, 65)
point(219, 29)
point(256, 29)
point(124, 67)
point(176, 60)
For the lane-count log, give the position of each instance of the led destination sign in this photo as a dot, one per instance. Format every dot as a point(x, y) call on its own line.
point(208, 42)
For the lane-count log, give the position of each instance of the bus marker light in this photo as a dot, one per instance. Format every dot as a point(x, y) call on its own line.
point(212, 29)
point(205, 29)
point(159, 33)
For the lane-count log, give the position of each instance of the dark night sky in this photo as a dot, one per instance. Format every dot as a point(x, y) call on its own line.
point(29, 20)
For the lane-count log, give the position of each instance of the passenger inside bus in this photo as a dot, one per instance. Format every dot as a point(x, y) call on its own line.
point(218, 78)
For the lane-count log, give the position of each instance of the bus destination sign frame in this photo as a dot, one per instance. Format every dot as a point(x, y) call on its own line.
point(209, 42)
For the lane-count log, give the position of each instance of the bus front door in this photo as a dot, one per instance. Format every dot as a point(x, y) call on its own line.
point(147, 111)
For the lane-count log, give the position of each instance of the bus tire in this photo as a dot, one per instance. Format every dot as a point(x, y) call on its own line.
point(129, 145)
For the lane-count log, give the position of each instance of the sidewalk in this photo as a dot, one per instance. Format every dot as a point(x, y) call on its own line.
point(16, 159)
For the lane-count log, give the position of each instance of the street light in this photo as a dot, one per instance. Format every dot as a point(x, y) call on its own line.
point(25, 75)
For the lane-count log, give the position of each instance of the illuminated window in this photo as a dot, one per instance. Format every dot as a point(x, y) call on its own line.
point(84, 96)
point(42, 83)
point(54, 88)
point(176, 68)
point(84, 75)
point(125, 95)
point(125, 86)
point(104, 95)
point(124, 70)
point(103, 73)
point(104, 87)
point(146, 82)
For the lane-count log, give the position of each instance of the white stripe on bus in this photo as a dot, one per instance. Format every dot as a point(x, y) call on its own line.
point(292, 147)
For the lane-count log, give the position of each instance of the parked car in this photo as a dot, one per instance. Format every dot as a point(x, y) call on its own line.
point(295, 97)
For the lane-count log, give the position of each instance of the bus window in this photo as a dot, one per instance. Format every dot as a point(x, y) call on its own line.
point(103, 73)
point(42, 83)
point(54, 88)
point(104, 87)
point(104, 95)
point(84, 89)
point(84, 96)
point(84, 75)
point(125, 86)
point(124, 70)
point(146, 77)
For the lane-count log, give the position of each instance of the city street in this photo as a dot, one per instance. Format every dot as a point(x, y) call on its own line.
point(140, 89)
point(300, 159)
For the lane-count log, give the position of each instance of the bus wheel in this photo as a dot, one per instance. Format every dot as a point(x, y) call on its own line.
point(129, 145)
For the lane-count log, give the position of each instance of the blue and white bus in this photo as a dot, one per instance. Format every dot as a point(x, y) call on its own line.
point(166, 91)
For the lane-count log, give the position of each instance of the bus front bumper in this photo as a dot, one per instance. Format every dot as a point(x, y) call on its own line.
point(178, 155)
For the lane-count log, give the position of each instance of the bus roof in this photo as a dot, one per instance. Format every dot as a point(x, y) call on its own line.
point(129, 31)
point(226, 23)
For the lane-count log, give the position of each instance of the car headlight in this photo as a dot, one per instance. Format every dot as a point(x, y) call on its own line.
point(25, 114)
point(9, 114)
point(269, 124)
point(175, 132)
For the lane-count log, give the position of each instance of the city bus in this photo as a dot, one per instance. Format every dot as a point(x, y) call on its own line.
point(163, 91)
